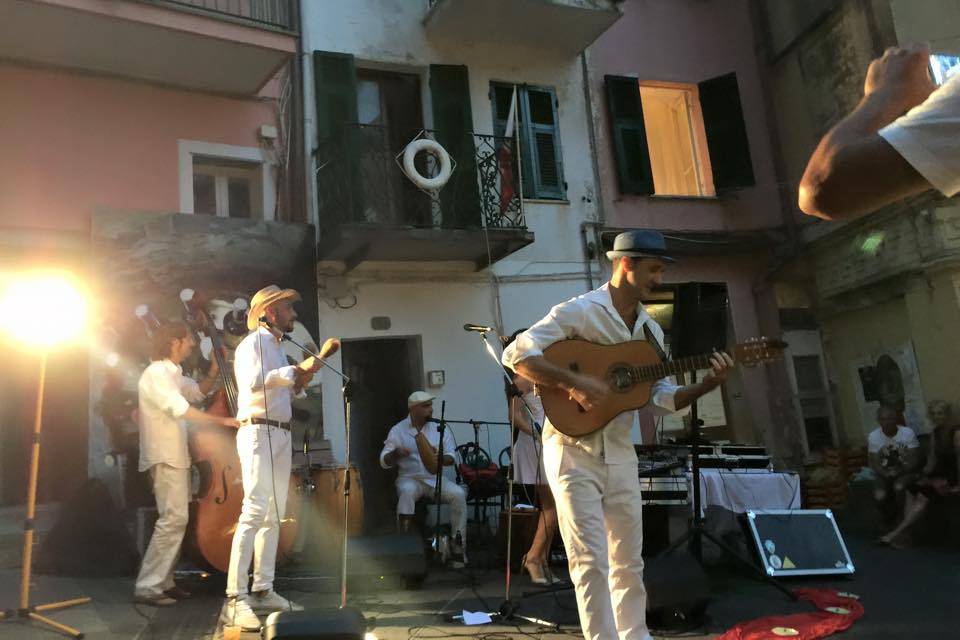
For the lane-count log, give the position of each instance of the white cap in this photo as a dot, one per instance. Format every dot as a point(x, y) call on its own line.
point(418, 397)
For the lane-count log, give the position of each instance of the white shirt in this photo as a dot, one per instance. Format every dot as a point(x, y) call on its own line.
point(404, 434)
point(249, 371)
point(593, 317)
point(892, 450)
point(928, 137)
point(164, 395)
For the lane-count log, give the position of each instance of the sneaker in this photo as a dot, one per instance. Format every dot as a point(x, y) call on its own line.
point(154, 599)
point(236, 612)
point(269, 601)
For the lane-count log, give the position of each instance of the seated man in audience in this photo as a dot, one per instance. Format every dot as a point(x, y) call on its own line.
point(894, 455)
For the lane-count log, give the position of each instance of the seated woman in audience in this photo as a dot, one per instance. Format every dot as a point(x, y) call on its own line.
point(940, 475)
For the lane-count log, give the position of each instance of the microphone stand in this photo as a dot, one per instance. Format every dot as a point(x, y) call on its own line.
point(438, 488)
point(508, 608)
point(347, 389)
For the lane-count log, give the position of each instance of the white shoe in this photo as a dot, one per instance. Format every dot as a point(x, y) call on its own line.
point(237, 613)
point(269, 601)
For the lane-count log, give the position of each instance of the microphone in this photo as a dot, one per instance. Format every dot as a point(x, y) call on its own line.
point(477, 327)
point(283, 335)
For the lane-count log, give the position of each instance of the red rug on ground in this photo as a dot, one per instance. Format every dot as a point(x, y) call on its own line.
point(836, 611)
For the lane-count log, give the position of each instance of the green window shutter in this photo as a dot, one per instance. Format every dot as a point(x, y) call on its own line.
point(453, 122)
point(629, 135)
point(335, 89)
point(540, 128)
point(726, 133)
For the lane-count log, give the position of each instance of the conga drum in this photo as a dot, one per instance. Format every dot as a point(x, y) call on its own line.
point(328, 498)
point(325, 534)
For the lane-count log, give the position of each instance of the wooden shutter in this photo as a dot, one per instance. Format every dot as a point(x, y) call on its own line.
point(453, 122)
point(540, 131)
point(335, 89)
point(629, 135)
point(339, 185)
point(726, 133)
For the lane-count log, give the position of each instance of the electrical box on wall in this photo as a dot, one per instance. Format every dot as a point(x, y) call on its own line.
point(435, 378)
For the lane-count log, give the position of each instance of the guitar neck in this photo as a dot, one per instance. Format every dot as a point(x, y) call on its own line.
point(672, 368)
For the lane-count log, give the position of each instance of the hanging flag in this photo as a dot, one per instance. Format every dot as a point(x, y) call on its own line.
point(505, 157)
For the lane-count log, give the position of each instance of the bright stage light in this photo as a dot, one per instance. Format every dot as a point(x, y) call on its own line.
point(43, 309)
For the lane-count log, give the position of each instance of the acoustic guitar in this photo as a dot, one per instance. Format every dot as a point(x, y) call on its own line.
point(629, 369)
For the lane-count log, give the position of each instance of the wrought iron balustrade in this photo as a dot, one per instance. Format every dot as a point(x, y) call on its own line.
point(360, 181)
point(276, 14)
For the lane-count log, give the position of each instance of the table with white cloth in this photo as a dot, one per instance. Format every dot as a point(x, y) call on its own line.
point(741, 491)
point(725, 494)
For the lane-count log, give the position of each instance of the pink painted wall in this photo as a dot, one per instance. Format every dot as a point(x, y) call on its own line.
point(72, 143)
point(686, 41)
point(690, 41)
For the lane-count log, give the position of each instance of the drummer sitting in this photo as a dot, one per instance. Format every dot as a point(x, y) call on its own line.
point(414, 480)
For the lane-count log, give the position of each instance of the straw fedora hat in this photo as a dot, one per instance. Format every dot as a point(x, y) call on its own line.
point(262, 300)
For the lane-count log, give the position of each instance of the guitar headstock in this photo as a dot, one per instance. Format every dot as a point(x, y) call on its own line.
point(758, 351)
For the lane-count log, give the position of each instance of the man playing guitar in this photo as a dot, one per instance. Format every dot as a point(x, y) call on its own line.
point(594, 478)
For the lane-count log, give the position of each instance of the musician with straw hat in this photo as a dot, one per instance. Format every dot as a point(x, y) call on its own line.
point(266, 385)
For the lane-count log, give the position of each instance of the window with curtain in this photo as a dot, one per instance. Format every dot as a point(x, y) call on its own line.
point(539, 133)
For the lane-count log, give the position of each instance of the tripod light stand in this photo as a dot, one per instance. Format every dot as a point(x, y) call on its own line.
point(697, 531)
point(59, 308)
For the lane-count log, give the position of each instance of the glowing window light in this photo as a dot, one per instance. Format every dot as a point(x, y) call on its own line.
point(43, 309)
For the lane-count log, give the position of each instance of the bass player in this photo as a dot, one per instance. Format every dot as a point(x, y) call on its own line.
point(594, 478)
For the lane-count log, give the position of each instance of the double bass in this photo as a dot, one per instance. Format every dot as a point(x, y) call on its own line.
point(214, 451)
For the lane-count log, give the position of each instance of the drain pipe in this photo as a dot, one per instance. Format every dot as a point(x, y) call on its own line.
point(598, 187)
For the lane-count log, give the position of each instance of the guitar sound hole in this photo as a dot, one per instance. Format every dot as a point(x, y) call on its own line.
point(621, 378)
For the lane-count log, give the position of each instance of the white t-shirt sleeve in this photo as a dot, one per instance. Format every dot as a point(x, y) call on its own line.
point(874, 441)
point(909, 438)
point(928, 137)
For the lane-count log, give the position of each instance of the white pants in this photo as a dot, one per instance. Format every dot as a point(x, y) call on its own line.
point(599, 509)
point(258, 530)
point(409, 490)
point(171, 488)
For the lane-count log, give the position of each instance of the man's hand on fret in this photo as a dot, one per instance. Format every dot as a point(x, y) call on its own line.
point(721, 366)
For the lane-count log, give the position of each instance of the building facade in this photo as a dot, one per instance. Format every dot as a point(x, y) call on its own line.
point(122, 106)
point(875, 298)
point(684, 145)
point(402, 269)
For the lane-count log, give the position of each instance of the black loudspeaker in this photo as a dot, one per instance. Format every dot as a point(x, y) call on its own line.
point(699, 319)
point(801, 542)
point(386, 561)
point(315, 624)
point(677, 593)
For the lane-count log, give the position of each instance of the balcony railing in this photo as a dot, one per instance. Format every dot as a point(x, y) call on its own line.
point(360, 181)
point(276, 14)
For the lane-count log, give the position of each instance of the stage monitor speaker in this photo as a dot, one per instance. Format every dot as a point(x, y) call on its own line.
point(677, 593)
point(800, 542)
point(381, 560)
point(315, 624)
point(699, 319)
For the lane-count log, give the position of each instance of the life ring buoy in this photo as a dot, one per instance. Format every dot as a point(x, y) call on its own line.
point(432, 147)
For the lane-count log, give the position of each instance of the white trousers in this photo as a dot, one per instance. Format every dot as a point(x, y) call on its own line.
point(171, 488)
point(409, 490)
point(599, 510)
point(265, 459)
